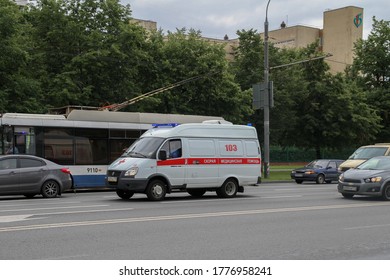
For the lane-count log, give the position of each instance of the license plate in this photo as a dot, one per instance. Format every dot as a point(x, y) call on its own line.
point(350, 188)
point(112, 179)
point(298, 175)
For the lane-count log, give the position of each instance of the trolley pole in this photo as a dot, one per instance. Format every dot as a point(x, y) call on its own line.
point(267, 97)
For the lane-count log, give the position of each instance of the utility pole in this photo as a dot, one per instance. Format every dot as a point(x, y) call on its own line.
point(266, 105)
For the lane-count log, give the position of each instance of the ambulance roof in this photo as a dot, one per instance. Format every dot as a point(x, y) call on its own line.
point(204, 130)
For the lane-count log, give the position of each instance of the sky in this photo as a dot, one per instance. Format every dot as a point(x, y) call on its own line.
point(215, 18)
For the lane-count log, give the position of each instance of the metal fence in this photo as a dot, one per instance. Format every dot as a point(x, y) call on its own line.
point(294, 154)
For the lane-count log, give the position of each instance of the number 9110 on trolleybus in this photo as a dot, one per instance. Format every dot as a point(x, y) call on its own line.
point(86, 141)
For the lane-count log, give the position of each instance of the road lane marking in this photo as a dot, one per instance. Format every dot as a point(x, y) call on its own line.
point(51, 208)
point(367, 227)
point(281, 196)
point(2, 204)
point(18, 218)
point(189, 216)
point(304, 189)
point(204, 199)
point(14, 218)
point(87, 211)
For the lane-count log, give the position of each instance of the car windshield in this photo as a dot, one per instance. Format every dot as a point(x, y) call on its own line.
point(381, 163)
point(368, 152)
point(317, 164)
point(144, 148)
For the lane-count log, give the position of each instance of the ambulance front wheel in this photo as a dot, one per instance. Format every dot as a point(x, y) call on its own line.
point(124, 194)
point(228, 189)
point(156, 190)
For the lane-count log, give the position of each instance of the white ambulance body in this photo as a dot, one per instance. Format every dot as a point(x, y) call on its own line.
point(210, 156)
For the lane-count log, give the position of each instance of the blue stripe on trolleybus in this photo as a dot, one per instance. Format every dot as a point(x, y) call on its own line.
point(82, 181)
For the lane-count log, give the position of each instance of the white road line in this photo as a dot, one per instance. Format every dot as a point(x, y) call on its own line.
point(88, 211)
point(189, 216)
point(2, 204)
point(367, 227)
point(282, 196)
point(50, 208)
point(13, 218)
point(228, 200)
point(303, 189)
point(18, 218)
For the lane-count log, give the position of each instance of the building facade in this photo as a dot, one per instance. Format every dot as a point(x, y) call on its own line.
point(341, 29)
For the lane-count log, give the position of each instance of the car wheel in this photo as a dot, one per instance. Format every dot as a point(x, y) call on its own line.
point(347, 195)
point(196, 192)
point(50, 189)
point(124, 194)
point(298, 181)
point(320, 179)
point(229, 189)
point(156, 190)
point(386, 192)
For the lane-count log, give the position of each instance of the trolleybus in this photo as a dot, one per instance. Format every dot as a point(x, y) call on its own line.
point(85, 141)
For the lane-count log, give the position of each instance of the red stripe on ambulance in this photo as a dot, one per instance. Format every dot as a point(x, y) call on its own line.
point(208, 161)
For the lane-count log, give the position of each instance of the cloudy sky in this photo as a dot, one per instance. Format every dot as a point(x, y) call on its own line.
point(215, 18)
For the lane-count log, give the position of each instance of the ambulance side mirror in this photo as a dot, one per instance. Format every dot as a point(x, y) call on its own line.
point(162, 155)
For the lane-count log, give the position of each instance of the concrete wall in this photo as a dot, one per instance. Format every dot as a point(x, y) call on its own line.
point(342, 28)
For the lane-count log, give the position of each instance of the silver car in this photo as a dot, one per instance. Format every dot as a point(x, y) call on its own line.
point(30, 175)
point(372, 178)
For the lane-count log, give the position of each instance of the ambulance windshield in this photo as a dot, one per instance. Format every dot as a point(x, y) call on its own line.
point(144, 148)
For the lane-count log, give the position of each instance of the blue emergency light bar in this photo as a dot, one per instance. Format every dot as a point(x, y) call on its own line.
point(157, 125)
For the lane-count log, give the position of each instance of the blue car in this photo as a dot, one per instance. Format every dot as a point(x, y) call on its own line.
point(319, 171)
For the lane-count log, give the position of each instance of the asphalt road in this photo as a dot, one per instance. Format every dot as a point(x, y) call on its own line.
point(278, 221)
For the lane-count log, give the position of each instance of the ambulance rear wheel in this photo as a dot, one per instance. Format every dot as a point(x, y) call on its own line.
point(124, 194)
point(228, 189)
point(156, 190)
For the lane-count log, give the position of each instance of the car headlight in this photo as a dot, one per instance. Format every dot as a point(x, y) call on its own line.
point(341, 177)
point(373, 179)
point(131, 172)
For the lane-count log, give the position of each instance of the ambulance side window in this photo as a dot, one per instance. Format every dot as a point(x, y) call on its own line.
point(173, 148)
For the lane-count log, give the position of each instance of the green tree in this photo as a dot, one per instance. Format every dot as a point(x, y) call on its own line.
point(18, 91)
point(86, 52)
point(182, 55)
point(289, 89)
point(248, 64)
point(313, 109)
point(335, 115)
point(371, 70)
point(332, 111)
point(371, 65)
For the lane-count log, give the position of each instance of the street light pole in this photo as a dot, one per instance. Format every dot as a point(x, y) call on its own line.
point(266, 105)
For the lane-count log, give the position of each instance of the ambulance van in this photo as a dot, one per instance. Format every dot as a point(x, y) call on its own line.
point(210, 156)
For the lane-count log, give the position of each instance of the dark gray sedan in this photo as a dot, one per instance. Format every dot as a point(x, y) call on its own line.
point(372, 178)
point(30, 175)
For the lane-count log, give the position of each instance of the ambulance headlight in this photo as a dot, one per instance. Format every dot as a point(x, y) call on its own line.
point(131, 172)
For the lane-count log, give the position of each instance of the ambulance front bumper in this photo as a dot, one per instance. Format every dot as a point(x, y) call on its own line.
point(129, 184)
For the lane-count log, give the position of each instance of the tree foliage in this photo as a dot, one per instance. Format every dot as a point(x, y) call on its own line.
point(313, 109)
point(371, 70)
point(371, 65)
point(18, 91)
point(88, 52)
